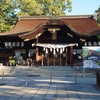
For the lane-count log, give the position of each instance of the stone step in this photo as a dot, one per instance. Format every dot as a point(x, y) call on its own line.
point(59, 71)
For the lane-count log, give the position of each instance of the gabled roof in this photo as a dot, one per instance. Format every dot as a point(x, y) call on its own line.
point(80, 24)
point(24, 26)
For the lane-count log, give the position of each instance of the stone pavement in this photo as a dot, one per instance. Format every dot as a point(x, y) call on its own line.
point(42, 88)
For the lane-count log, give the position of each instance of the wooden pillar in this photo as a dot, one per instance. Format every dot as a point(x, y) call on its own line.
point(48, 57)
point(60, 59)
point(37, 53)
point(71, 56)
point(27, 51)
point(42, 62)
point(61, 56)
point(54, 60)
point(54, 56)
point(36, 56)
point(66, 56)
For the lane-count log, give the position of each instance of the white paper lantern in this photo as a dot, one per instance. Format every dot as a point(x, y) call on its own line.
point(22, 44)
point(99, 43)
point(9, 43)
point(89, 43)
point(13, 44)
point(18, 44)
point(6, 44)
point(95, 43)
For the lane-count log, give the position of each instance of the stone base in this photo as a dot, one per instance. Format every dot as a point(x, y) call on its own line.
point(3, 83)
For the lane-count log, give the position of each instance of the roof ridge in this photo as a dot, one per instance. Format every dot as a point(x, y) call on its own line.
point(51, 17)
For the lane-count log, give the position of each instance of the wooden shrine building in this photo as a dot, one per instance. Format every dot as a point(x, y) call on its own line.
point(20, 42)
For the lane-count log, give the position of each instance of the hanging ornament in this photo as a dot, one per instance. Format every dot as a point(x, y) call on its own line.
point(57, 49)
point(54, 51)
point(60, 50)
point(43, 49)
point(63, 49)
point(46, 50)
point(51, 49)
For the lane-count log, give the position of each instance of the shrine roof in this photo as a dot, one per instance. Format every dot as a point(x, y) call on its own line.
point(83, 26)
point(80, 24)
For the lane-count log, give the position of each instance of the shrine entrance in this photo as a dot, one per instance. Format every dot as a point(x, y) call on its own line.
point(54, 40)
point(53, 54)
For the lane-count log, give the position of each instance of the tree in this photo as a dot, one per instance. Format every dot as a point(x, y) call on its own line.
point(10, 9)
point(29, 8)
point(98, 20)
point(8, 16)
point(98, 14)
point(44, 7)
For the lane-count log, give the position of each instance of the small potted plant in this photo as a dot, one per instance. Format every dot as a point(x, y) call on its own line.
point(12, 62)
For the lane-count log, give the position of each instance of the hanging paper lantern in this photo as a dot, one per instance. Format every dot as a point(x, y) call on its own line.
point(6, 44)
point(89, 43)
point(22, 44)
point(99, 43)
point(13, 44)
point(9, 43)
point(95, 43)
point(18, 44)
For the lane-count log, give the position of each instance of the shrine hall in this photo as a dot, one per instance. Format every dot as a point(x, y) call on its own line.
point(49, 40)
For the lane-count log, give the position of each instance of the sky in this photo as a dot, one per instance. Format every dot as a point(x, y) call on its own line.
point(84, 7)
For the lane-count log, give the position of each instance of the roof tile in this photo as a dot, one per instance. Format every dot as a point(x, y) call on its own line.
point(81, 26)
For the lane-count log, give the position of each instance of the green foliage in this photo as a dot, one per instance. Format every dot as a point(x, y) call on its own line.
point(98, 14)
point(98, 11)
point(44, 7)
point(29, 8)
point(12, 61)
point(10, 9)
point(7, 14)
point(98, 19)
point(85, 52)
point(98, 37)
point(99, 63)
